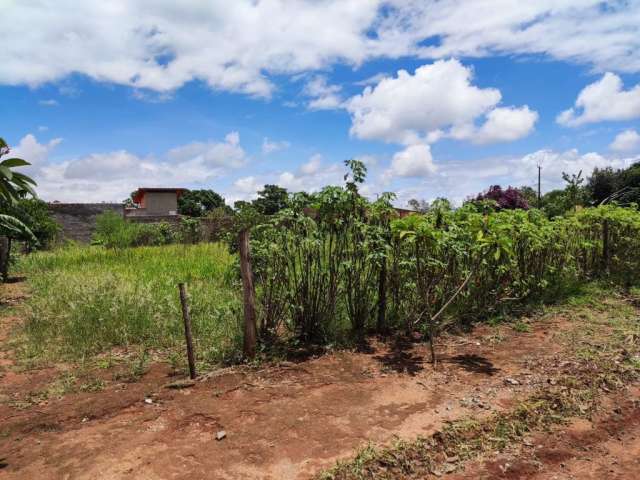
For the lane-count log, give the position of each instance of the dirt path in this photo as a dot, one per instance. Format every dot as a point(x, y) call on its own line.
point(286, 421)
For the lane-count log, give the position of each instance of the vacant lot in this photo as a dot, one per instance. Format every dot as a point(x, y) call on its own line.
point(87, 300)
point(114, 419)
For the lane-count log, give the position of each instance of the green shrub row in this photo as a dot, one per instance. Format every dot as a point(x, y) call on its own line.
point(352, 267)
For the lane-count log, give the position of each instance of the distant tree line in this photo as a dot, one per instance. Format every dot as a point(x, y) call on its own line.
point(605, 185)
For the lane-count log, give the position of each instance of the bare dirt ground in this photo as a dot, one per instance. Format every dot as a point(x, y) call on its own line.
point(606, 447)
point(291, 420)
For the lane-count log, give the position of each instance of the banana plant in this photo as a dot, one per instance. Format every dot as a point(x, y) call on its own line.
point(13, 186)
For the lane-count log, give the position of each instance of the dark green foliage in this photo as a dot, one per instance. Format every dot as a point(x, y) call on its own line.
point(621, 185)
point(271, 199)
point(555, 203)
point(196, 203)
point(34, 213)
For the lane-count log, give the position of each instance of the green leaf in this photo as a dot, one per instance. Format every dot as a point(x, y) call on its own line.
point(6, 172)
point(14, 162)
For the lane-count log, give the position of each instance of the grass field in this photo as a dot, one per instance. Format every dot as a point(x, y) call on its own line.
point(86, 300)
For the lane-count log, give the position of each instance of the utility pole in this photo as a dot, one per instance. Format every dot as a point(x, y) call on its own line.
point(539, 197)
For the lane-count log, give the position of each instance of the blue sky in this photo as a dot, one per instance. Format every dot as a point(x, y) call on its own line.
point(438, 98)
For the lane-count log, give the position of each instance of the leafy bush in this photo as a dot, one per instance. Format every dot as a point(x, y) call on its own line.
point(326, 265)
point(113, 231)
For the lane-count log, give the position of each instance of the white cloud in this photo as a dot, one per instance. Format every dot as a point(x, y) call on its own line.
point(49, 103)
point(413, 161)
point(34, 152)
point(111, 176)
point(43, 128)
point(312, 166)
point(416, 108)
point(271, 146)
point(372, 80)
point(247, 187)
point(162, 45)
point(214, 154)
point(501, 125)
point(323, 95)
point(603, 35)
point(603, 100)
point(627, 141)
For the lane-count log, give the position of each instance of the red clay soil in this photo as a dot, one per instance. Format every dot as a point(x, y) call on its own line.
point(606, 447)
point(285, 421)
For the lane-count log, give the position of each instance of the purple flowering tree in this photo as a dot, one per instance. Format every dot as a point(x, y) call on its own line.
point(509, 199)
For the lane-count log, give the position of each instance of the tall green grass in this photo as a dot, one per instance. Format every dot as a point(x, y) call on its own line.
point(86, 300)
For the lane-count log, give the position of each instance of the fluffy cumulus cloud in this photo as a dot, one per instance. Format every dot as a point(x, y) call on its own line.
point(627, 141)
point(111, 176)
point(35, 152)
point(413, 161)
point(502, 124)
point(605, 99)
point(159, 45)
point(438, 100)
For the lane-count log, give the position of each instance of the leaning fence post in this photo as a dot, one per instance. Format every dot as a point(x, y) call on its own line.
point(250, 333)
point(187, 329)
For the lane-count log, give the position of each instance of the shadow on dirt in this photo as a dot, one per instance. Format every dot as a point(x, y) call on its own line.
point(473, 363)
point(401, 359)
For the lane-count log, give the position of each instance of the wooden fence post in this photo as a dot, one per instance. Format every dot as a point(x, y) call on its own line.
point(605, 247)
point(186, 316)
point(250, 333)
point(5, 252)
point(382, 297)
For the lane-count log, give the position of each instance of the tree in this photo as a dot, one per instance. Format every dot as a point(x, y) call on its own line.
point(271, 199)
point(441, 204)
point(509, 199)
point(421, 206)
point(630, 182)
point(603, 183)
point(575, 191)
point(196, 203)
point(13, 186)
point(529, 194)
point(606, 185)
point(555, 203)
